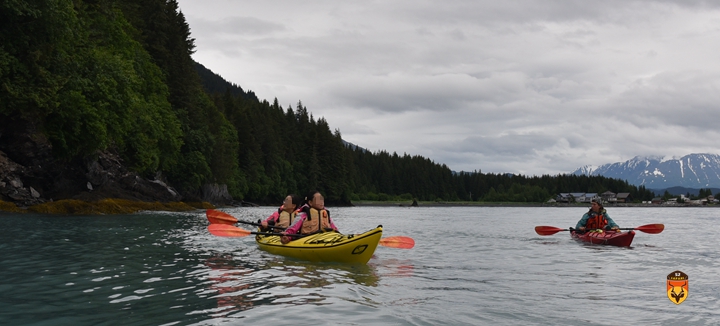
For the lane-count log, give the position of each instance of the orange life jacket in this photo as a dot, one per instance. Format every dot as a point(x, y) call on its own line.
point(596, 221)
point(285, 219)
point(315, 221)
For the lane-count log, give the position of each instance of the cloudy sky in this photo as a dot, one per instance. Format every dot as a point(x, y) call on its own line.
point(530, 87)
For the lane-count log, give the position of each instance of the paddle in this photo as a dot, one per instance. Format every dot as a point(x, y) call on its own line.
point(218, 217)
point(649, 228)
point(224, 230)
point(398, 241)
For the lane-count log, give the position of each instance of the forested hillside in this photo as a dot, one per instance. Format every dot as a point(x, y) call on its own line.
point(94, 77)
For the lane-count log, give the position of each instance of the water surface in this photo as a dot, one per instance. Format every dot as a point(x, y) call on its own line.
point(470, 266)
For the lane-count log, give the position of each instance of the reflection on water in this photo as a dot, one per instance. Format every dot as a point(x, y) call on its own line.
point(226, 281)
point(394, 267)
point(238, 284)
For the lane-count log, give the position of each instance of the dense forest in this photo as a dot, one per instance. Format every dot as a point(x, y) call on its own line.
point(99, 75)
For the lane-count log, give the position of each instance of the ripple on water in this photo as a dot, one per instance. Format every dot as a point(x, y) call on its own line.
point(469, 266)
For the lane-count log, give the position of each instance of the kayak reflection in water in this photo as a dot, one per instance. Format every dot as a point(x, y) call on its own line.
point(596, 218)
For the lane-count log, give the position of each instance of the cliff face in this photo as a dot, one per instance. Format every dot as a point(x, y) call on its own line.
point(30, 175)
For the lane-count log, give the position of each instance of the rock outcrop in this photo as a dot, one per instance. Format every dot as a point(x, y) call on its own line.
point(31, 175)
point(216, 193)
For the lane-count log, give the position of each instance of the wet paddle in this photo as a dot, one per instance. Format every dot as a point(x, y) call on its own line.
point(398, 241)
point(648, 228)
point(218, 217)
point(224, 230)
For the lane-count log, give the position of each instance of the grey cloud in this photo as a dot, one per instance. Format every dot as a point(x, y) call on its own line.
point(489, 12)
point(458, 35)
point(516, 86)
point(399, 93)
point(686, 99)
point(510, 144)
point(248, 26)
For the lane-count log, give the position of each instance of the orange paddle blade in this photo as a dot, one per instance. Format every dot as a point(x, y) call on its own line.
point(218, 217)
point(547, 230)
point(651, 228)
point(224, 230)
point(398, 242)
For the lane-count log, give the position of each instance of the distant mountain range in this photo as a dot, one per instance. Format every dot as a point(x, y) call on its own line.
point(693, 171)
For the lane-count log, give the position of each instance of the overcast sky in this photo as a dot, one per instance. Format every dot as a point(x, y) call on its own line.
point(530, 87)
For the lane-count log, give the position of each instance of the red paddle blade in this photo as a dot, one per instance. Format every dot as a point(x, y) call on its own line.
point(218, 217)
point(547, 230)
point(398, 242)
point(651, 228)
point(224, 230)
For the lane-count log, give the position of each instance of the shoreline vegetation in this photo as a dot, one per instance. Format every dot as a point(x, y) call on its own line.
point(114, 206)
point(109, 206)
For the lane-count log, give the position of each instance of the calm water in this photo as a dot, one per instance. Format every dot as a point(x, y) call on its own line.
point(470, 266)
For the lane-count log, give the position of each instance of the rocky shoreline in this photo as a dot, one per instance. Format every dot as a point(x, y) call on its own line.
point(31, 176)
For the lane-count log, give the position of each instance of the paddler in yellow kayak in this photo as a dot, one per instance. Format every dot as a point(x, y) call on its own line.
point(284, 216)
point(312, 218)
point(596, 218)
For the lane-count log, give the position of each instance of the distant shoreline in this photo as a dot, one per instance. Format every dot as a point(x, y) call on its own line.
point(364, 203)
point(112, 206)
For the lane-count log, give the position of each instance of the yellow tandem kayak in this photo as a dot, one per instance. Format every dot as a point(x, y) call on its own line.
point(325, 247)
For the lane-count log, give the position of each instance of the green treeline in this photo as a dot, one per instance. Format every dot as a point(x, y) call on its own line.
point(98, 75)
point(118, 75)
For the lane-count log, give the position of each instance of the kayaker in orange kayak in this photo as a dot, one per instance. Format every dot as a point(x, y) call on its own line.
point(596, 218)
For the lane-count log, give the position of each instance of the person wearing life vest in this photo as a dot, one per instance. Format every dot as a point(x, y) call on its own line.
point(284, 216)
point(596, 218)
point(312, 218)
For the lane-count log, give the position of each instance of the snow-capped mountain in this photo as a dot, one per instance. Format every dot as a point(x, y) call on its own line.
point(586, 170)
point(691, 171)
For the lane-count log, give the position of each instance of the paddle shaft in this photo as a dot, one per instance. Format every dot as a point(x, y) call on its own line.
point(395, 241)
point(219, 217)
point(391, 242)
point(278, 234)
point(649, 228)
point(259, 224)
point(224, 230)
point(618, 229)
